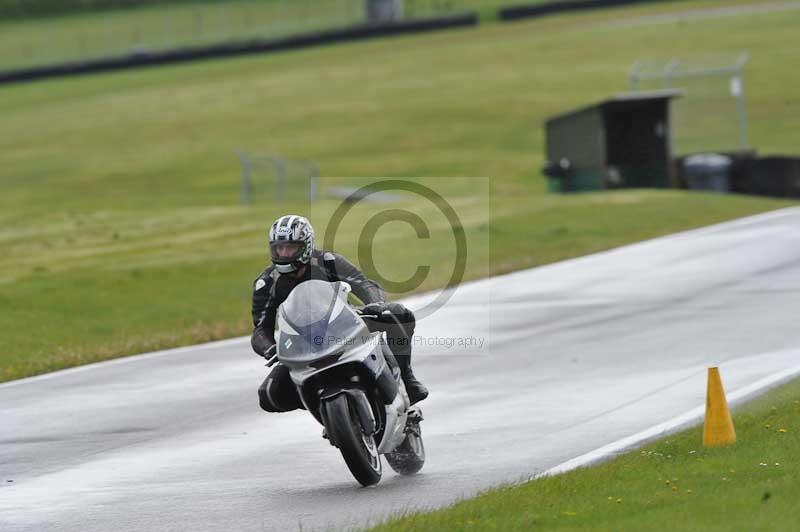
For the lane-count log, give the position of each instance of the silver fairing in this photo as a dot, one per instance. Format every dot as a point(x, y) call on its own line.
point(362, 353)
point(318, 330)
point(396, 415)
point(315, 321)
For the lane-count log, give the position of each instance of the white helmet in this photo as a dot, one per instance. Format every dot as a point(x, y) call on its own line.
point(291, 241)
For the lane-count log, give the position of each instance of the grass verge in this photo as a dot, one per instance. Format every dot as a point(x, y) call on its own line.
point(673, 483)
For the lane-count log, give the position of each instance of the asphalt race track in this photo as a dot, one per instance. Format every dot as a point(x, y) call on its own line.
point(576, 355)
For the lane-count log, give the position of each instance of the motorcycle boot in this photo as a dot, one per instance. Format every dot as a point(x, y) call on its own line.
point(415, 389)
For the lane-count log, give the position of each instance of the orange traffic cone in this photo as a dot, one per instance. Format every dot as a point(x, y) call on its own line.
point(718, 429)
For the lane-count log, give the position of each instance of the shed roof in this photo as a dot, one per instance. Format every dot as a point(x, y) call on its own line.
point(622, 100)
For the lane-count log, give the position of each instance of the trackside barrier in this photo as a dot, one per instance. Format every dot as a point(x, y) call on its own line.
point(304, 40)
point(516, 12)
point(351, 33)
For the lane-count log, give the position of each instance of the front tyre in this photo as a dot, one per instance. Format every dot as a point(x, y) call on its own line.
point(359, 450)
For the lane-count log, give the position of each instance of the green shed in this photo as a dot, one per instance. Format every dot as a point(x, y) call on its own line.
point(622, 142)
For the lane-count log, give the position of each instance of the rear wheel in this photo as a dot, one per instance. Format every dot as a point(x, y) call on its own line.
point(409, 457)
point(358, 449)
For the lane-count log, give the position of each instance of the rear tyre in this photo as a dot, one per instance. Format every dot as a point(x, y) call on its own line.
point(359, 450)
point(409, 457)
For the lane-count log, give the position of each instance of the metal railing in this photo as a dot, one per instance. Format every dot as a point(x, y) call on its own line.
point(26, 43)
point(712, 116)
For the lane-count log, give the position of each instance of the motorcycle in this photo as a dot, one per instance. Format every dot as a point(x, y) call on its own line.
point(349, 380)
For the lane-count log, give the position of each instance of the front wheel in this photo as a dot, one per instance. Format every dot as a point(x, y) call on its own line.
point(359, 450)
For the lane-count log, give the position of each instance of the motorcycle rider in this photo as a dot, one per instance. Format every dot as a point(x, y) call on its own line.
point(294, 260)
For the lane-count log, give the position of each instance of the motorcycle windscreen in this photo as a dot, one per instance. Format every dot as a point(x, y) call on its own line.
point(315, 321)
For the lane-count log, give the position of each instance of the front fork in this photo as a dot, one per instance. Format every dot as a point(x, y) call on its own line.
point(358, 399)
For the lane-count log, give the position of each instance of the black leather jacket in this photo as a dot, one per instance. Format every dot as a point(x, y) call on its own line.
point(271, 288)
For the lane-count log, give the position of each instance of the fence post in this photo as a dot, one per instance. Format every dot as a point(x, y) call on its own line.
point(280, 167)
point(312, 190)
point(740, 96)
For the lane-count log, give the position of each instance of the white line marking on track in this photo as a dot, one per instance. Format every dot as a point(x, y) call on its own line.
point(684, 421)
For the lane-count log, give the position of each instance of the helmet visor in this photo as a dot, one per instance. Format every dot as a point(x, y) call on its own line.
point(286, 252)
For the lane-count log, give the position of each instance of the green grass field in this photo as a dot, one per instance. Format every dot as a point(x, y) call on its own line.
point(121, 229)
point(674, 483)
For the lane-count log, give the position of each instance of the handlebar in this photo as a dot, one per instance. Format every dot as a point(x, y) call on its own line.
point(382, 317)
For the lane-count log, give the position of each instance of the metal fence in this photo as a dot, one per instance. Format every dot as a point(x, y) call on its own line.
point(35, 42)
point(712, 115)
point(274, 178)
